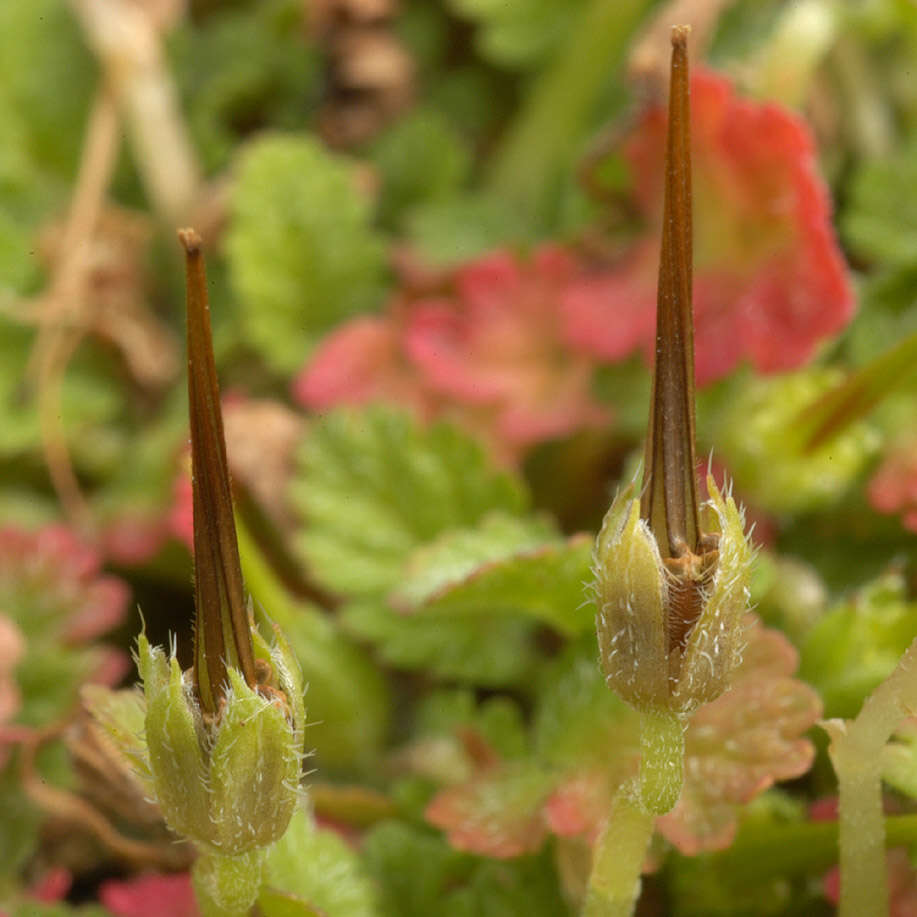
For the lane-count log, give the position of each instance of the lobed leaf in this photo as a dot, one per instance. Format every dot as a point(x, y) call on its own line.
point(302, 254)
point(857, 644)
point(372, 486)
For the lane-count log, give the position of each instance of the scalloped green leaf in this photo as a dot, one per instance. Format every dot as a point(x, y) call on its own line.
point(456, 555)
point(302, 252)
point(477, 648)
point(857, 644)
point(373, 485)
point(545, 581)
point(318, 867)
point(418, 874)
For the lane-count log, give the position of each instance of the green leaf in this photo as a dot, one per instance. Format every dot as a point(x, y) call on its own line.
point(317, 867)
point(122, 715)
point(41, 46)
point(519, 33)
point(420, 158)
point(458, 554)
point(88, 399)
point(302, 254)
point(242, 67)
point(881, 216)
point(468, 647)
point(543, 579)
point(579, 721)
point(341, 679)
point(899, 759)
point(19, 827)
point(498, 720)
point(374, 485)
point(32, 908)
point(856, 646)
point(760, 434)
point(418, 874)
point(273, 903)
point(458, 228)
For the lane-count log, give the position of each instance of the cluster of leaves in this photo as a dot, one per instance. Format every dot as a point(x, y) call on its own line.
point(435, 344)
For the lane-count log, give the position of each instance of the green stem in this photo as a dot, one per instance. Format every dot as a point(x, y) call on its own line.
point(662, 765)
point(227, 886)
point(614, 884)
point(856, 752)
point(545, 137)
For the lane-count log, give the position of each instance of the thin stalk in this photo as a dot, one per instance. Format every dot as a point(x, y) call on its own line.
point(614, 884)
point(227, 886)
point(662, 762)
point(856, 752)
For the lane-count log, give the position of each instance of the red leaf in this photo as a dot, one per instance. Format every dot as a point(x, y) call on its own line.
point(769, 279)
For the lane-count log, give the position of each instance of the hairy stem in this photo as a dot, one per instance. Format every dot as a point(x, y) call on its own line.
point(227, 886)
point(856, 752)
point(614, 884)
point(662, 766)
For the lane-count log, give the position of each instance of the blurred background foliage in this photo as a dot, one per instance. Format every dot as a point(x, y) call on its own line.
point(431, 229)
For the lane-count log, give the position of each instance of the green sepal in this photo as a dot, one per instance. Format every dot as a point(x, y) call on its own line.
point(254, 771)
point(630, 600)
point(715, 644)
point(177, 761)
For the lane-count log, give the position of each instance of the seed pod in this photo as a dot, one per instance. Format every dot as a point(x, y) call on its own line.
point(224, 743)
point(671, 582)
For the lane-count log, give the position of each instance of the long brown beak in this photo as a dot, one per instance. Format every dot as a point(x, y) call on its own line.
point(221, 632)
point(669, 499)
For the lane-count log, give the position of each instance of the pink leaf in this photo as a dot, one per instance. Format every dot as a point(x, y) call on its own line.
point(78, 601)
point(893, 488)
point(497, 814)
point(363, 361)
point(742, 743)
point(150, 896)
point(487, 347)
